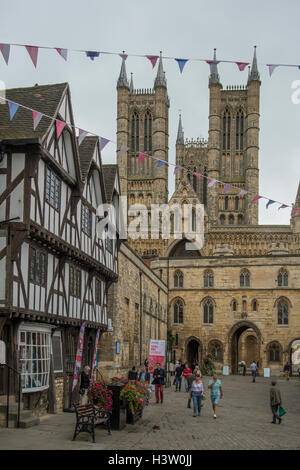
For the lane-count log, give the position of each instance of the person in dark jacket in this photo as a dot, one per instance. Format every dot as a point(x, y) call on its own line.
point(132, 374)
point(275, 401)
point(178, 377)
point(286, 371)
point(159, 375)
point(146, 363)
point(84, 384)
point(144, 375)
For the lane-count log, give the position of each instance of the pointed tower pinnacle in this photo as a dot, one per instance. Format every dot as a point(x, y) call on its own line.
point(160, 77)
point(131, 88)
point(122, 80)
point(254, 75)
point(180, 135)
point(214, 77)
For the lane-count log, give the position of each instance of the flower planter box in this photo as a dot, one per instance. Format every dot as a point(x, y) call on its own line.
point(133, 418)
point(118, 415)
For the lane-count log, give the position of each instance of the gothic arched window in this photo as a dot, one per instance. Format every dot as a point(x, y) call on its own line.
point(148, 132)
point(231, 219)
point(282, 313)
point(236, 203)
point(135, 132)
point(254, 305)
point(222, 219)
point(226, 202)
point(234, 305)
point(178, 279)
point(244, 279)
point(178, 311)
point(208, 312)
point(226, 129)
point(208, 279)
point(274, 352)
point(239, 130)
point(282, 278)
point(240, 219)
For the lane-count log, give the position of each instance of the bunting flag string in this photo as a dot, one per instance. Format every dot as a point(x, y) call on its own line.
point(60, 125)
point(63, 52)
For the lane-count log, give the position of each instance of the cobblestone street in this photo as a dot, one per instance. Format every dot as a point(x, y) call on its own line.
point(243, 422)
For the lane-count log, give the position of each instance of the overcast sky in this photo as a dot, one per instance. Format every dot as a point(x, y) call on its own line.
point(189, 29)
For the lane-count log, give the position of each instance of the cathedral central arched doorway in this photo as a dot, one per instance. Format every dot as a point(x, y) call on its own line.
point(244, 344)
point(193, 351)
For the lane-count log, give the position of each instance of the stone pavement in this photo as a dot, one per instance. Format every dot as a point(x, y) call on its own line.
point(243, 423)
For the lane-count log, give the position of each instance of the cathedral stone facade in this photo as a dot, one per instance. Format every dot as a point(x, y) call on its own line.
point(236, 297)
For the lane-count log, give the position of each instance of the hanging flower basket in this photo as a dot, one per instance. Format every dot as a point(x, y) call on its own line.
point(99, 394)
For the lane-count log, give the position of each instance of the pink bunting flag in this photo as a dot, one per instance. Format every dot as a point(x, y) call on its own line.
point(5, 49)
point(226, 187)
point(33, 52)
point(242, 192)
point(62, 52)
point(295, 210)
point(59, 127)
point(242, 65)
point(283, 206)
point(142, 156)
point(102, 143)
point(123, 149)
point(256, 198)
point(82, 134)
point(197, 175)
point(272, 67)
point(211, 182)
point(36, 118)
point(153, 59)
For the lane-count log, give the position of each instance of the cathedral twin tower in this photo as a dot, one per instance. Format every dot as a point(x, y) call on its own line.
point(230, 155)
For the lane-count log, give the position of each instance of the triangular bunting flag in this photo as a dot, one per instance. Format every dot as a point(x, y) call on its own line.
point(33, 52)
point(177, 168)
point(269, 203)
point(197, 175)
point(82, 134)
point(142, 156)
point(102, 143)
point(153, 59)
point(211, 63)
point(36, 118)
point(5, 49)
point(295, 210)
point(272, 67)
point(59, 127)
point(181, 63)
point(62, 52)
point(92, 54)
point(283, 206)
point(242, 65)
point(226, 187)
point(123, 149)
point(211, 182)
point(242, 192)
point(256, 198)
point(160, 163)
point(13, 108)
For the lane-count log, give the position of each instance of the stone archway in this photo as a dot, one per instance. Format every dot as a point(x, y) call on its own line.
point(244, 339)
point(294, 355)
point(193, 350)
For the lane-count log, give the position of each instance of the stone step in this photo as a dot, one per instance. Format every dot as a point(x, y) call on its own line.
point(11, 423)
point(13, 407)
point(29, 422)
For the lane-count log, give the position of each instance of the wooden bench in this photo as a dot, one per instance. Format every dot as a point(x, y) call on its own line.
point(87, 417)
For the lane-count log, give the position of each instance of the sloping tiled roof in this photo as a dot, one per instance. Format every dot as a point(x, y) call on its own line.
point(86, 152)
point(44, 98)
point(109, 180)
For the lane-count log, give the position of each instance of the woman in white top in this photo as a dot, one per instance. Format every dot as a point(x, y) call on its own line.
point(197, 392)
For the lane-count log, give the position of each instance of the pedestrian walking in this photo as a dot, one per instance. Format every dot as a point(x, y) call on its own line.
point(132, 374)
point(178, 377)
point(186, 373)
point(144, 375)
point(216, 393)
point(197, 393)
point(146, 363)
point(191, 379)
point(286, 371)
point(253, 368)
point(159, 375)
point(84, 384)
point(275, 401)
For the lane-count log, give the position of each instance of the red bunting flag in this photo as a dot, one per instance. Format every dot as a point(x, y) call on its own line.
point(59, 127)
point(211, 182)
point(242, 65)
point(197, 175)
point(142, 156)
point(283, 206)
point(153, 59)
point(177, 168)
point(33, 52)
point(256, 198)
point(36, 118)
point(62, 52)
point(295, 210)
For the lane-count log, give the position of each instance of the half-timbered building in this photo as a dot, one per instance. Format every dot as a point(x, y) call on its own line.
point(55, 265)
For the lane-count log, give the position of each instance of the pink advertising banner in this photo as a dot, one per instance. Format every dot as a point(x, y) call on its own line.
point(95, 355)
point(78, 356)
point(156, 353)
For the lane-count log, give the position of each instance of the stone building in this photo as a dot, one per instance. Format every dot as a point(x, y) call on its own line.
point(237, 296)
